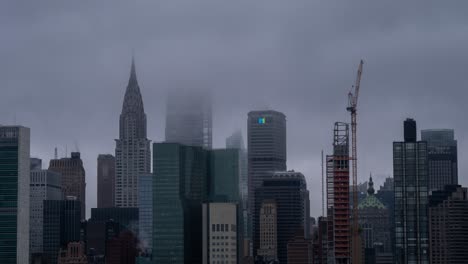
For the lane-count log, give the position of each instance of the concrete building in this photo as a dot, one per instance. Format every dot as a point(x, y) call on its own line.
point(14, 190)
point(62, 225)
point(189, 118)
point(410, 171)
point(220, 244)
point(448, 225)
point(44, 185)
point(73, 178)
point(268, 231)
point(266, 139)
point(132, 150)
point(105, 181)
point(74, 254)
point(145, 211)
point(442, 157)
point(289, 190)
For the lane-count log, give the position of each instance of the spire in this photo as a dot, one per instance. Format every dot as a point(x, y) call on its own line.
point(370, 189)
point(133, 79)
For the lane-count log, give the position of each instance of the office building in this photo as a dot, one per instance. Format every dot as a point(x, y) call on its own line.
point(145, 211)
point(73, 254)
point(448, 225)
point(268, 231)
point(338, 204)
point(180, 186)
point(289, 190)
point(442, 157)
point(410, 171)
point(300, 249)
point(44, 185)
point(122, 249)
point(127, 216)
point(62, 224)
point(98, 233)
point(132, 150)
point(14, 193)
point(266, 139)
point(105, 181)
point(36, 164)
point(224, 174)
point(73, 178)
point(189, 118)
point(220, 233)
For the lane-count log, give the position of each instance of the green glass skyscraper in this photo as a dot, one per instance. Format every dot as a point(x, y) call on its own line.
point(224, 175)
point(14, 194)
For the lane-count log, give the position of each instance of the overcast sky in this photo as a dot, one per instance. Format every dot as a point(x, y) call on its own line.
point(64, 67)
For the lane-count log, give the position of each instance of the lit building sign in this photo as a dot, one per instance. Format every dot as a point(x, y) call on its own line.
point(261, 120)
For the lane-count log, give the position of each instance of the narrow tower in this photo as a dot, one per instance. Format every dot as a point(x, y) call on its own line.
point(132, 151)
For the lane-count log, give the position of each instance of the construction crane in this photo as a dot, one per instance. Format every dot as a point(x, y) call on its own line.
point(352, 108)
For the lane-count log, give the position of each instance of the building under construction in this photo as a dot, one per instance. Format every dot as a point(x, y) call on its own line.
point(338, 215)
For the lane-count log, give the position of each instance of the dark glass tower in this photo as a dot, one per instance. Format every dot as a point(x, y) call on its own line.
point(289, 191)
point(442, 157)
point(132, 151)
point(14, 194)
point(106, 180)
point(410, 172)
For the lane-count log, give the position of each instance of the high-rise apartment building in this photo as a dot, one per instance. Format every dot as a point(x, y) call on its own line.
point(105, 180)
point(289, 190)
point(266, 139)
point(410, 171)
point(132, 150)
point(73, 178)
point(448, 225)
point(180, 185)
point(14, 193)
point(220, 233)
point(268, 231)
point(442, 157)
point(44, 185)
point(145, 211)
point(338, 204)
point(189, 118)
point(62, 224)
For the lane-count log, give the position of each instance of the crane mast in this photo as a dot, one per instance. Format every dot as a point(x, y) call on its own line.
point(352, 108)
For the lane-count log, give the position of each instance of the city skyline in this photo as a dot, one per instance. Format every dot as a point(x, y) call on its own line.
point(309, 107)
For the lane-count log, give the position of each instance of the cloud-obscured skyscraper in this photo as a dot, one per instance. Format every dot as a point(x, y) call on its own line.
point(132, 151)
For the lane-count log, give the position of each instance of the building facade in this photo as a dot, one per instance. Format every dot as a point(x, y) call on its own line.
point(132, 151)
point(410, 170)
point(224, 174)
point(180, 185)
point(338, 204)
point(442, 157)
point(73, 178)
point(14, 190)
point(106, 181)
point(220, 244)
point(289, 190)
point(268, 231)
point(44, 185)
point(300, 249)
point(448, 225)
point(127, 216)
point(189, 118)
point(62, 225)
point(74, 254)
point(122, 249)
point(145, 211)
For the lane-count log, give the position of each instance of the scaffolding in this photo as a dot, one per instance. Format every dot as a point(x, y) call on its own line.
point(337, 173)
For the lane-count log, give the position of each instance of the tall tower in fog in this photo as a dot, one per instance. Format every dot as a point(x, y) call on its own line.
point(132, 151)
point(189, 118)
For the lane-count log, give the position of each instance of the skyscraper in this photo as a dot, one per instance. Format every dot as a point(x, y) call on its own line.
point(266, 137)
point(448, 225)
point(189, 118)
point(132, 151)
point(224, 174)
point(145, 212)
point(106, 180)
point(410, 170)
point(61, 225)
point(73, 178)
point(289, 191)
point(442, 157)
point(45, 185)
point(268, 231)
point(14, 193)
point(179, 188)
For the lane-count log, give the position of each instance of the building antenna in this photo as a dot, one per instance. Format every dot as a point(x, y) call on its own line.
point(323, 200)
point(55, 153)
